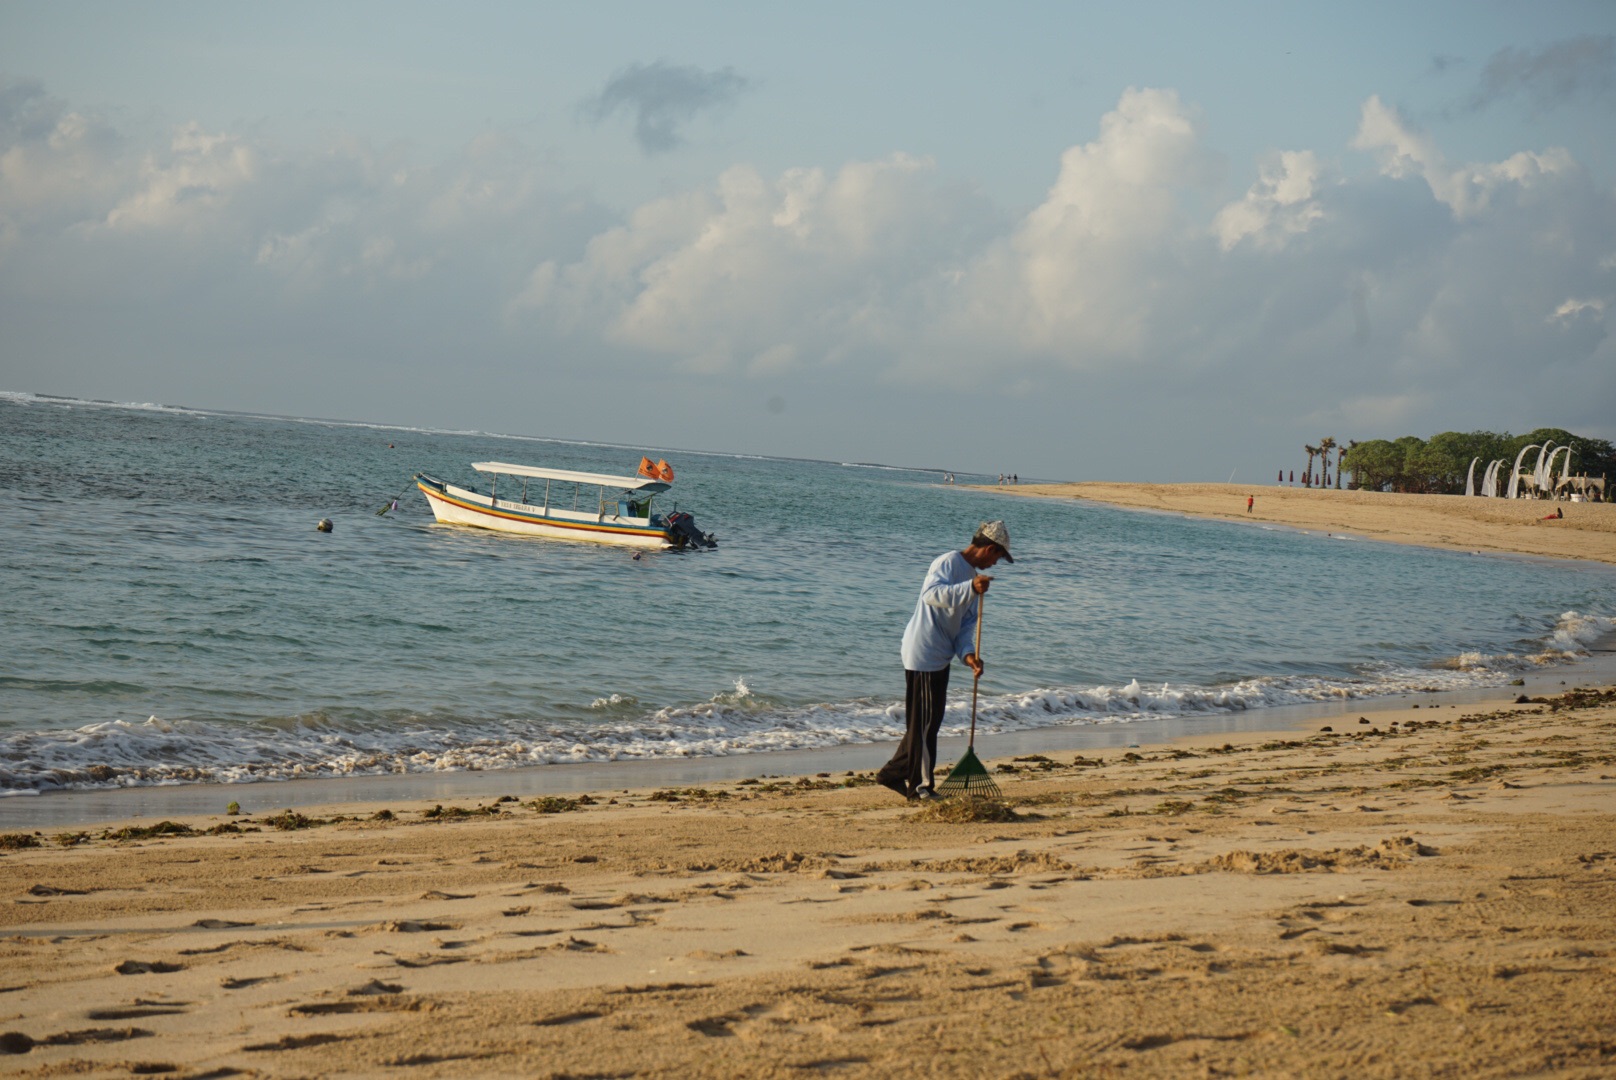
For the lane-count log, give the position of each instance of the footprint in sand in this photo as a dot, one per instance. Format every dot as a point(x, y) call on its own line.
point(428, 960)
point(376, 986)
point(414, 926)
point(295, 1042)
point(147, 967)
point(17, 1042)
point(720, 1026)
point(347, 1008)
point(568, 1018)
point(840, 961)
point(138, 1012)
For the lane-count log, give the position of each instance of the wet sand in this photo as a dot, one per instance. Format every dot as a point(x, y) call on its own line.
point(1426, 892)
point(1588, 530)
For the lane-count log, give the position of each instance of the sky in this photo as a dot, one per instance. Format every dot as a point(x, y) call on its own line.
point(1143, 241)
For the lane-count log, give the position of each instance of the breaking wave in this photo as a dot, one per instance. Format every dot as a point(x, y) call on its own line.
point(737, 720)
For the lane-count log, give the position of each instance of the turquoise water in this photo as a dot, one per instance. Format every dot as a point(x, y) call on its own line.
point(171, 615)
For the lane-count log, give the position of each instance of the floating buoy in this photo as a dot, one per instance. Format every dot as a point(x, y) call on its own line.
point(325, 525)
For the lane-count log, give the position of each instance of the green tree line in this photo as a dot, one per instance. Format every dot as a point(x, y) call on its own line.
point(1438, 465)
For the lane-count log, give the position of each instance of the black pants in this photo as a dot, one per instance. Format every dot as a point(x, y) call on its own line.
point(925, 696)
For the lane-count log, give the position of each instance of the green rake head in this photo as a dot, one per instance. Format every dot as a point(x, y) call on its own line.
point(970, 778)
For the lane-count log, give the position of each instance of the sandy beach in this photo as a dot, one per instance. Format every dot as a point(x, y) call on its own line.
point(1588, 530)
point(1424, 894)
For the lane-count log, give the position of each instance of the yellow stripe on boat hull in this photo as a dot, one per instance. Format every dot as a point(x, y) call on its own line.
point(483, 517)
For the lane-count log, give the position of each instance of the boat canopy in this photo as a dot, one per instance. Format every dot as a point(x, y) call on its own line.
point(626, 483)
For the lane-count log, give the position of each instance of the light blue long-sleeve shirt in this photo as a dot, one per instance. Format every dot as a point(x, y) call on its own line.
point(945, 616)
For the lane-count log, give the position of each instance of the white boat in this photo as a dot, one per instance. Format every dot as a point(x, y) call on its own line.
point(565, 505)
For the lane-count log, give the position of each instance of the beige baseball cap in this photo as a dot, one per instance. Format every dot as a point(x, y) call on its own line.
point(998, 533)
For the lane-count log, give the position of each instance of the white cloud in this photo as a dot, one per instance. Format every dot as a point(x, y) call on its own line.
point(1138, 289)
point(1571, 308)
point(1466, 189)
point(875, 261)
point(186, 186)
point(757, 274)
point(56, 165)
point(1086, 270)
point(1280, 205)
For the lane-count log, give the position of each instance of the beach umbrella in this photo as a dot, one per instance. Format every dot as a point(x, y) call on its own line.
point(970, 777)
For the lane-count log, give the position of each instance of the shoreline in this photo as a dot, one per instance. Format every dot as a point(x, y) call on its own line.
point(1365, 514)
point(1492, 526)
point(64, 809)
point(1381, 899)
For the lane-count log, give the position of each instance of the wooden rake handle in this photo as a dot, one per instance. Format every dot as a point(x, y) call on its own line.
point(976, 680)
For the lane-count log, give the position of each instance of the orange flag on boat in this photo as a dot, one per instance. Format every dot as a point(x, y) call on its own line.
point(647, 468)
point(664, 471)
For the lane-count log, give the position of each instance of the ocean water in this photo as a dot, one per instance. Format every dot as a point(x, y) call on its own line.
point(169, 614)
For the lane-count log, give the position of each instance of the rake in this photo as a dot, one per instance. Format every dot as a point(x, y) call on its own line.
point(970, 777)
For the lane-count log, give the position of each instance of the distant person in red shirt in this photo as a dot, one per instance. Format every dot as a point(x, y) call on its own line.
point(1250, 500)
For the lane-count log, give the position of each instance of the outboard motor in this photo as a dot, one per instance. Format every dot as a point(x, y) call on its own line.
point(685, 534)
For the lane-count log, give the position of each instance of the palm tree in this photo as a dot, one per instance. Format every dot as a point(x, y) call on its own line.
point(1342, 457)
point(1307, 477)
point(1326, 444)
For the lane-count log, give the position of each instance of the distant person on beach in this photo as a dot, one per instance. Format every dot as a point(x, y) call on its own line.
point(1250, 501)
point(941, 629)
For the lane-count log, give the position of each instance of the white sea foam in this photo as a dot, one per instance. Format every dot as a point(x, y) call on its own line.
point(1574, 632)
point(20, 397)
point(735, 721)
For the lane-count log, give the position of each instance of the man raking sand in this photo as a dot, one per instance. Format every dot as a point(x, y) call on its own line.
point(942, 628)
